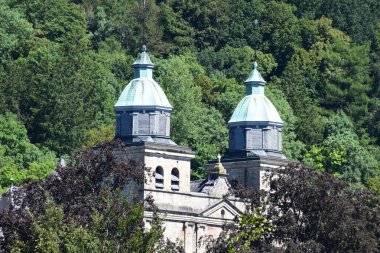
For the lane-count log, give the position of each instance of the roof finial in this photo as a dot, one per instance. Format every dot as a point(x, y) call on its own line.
point(256, 24)
point(143, 25)
point(219, 168)
point(255, 77)
point(143, 48)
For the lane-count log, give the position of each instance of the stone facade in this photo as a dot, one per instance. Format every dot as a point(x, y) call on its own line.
point(188, 215)
point(196, 209)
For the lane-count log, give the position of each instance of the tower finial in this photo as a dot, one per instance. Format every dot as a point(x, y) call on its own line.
point(219, 168)
point(143, 25)
point(255, 65)
point(256, 24)
point(143, 48)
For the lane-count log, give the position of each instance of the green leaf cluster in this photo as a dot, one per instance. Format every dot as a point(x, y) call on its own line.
point(108, 231)
point(19, 159)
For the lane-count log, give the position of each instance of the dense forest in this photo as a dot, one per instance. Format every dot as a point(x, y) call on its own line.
point(64, 63)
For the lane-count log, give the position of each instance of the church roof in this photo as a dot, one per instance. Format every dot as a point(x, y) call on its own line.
point(255, 107)
point(143, 58)
point(255, 76)
point(143, 92)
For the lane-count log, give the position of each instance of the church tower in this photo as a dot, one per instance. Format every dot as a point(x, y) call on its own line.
point(255, 125)
point(255, 136)
point(143, 124)
point(189, 210)
point(143, 110)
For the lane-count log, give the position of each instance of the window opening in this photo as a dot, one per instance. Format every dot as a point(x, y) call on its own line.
point(175, 179)
point(159, 177)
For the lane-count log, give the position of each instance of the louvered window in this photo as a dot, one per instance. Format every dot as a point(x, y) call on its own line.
point(175, 179)
point(159, 177)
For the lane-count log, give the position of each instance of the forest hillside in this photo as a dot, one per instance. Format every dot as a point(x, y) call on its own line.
point(64, 63)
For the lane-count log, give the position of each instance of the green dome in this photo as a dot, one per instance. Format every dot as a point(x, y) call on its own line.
point(144, 92)
point(256, 108)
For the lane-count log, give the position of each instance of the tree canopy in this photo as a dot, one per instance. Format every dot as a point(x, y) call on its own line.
point(84, 207)
point(64, 63)
point(303, 211)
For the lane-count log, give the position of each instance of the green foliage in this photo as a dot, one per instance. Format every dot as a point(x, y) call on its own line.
point(292, 148)
point(251, 226)
point(192, 123)
point(341, 153)
point(374, 184)
point(109, 231)
point(20, 159)
point(59, 101)
point(64, 63)
point(96, 136)
point(236, 62)
point(13, 32)
point(77, 210)
point(124, 22)
point(332, 75)
point(356, 18)
point(280, 31)
point(308, 211)
point(177, 30)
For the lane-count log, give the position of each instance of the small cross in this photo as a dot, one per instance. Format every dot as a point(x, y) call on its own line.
point(219, 156)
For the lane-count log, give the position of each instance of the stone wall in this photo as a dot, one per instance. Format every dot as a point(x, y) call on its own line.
point(251, 171)
point(153, 160)
point(191, 217)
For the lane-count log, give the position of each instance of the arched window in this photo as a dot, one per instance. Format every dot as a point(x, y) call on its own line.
point(175, 179)
point(159, 177)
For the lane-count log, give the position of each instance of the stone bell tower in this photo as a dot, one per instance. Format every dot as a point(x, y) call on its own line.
point(143, 124)
point(255, 126)
point(255, 136)
point(190, 211)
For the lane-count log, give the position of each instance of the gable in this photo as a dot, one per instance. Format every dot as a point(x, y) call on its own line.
point(223, 209)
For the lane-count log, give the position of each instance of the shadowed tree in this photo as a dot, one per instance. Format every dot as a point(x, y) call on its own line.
point(305, 211)
point(84, 207)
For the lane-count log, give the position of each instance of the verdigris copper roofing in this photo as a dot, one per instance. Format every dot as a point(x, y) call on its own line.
point(255, 127)
point(143, 58)
point(143, 91)
point(255, 107)
point(143, 110)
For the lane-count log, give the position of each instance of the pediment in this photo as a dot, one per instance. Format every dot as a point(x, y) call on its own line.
point(223, 209)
